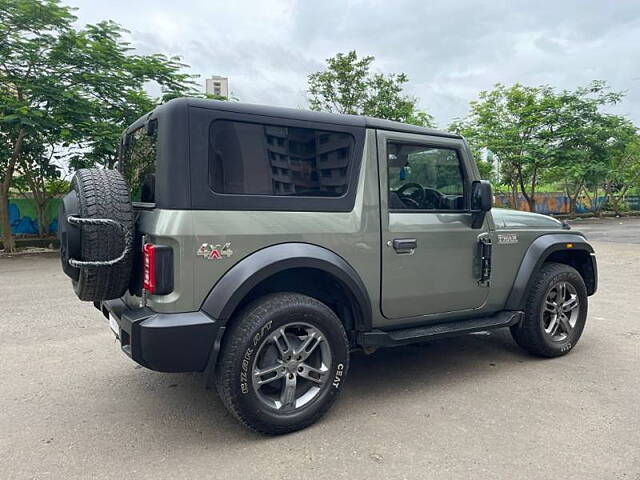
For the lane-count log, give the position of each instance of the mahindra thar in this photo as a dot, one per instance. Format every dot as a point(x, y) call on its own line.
point(262, 245)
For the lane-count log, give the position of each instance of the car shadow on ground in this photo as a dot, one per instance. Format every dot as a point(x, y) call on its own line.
point(434, 364)
point(388, 373)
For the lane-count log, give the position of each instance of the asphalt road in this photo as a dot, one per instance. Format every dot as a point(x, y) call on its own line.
point(609, 229)
point(475, 407)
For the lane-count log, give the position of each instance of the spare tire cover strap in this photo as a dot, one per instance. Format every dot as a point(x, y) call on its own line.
point(101, 221)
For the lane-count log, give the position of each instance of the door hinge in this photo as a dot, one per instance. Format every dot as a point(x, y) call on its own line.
point(484, 243)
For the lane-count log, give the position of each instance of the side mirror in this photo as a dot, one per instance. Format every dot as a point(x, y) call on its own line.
point(481, 201)
point(481, 196)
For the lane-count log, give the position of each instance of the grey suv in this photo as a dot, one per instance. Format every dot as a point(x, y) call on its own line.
point(262, 245)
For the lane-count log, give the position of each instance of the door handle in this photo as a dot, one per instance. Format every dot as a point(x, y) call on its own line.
point(404, 245)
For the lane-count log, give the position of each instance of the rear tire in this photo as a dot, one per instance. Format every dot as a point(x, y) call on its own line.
point(103, 194)
point(301, 348)
point(555, 313)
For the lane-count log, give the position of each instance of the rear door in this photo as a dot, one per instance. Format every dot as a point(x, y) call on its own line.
point(430, 253)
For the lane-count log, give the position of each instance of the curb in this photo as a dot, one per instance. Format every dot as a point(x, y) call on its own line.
point(588, 216)
point(28, 251)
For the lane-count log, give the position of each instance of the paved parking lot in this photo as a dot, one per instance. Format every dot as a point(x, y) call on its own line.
point(73, 406)
point(609, 230)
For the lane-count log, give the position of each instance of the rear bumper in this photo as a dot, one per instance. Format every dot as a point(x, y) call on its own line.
point(166, 342)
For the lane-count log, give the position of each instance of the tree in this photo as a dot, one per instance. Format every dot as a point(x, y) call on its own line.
point(518, 125)
point(484, 167)
point(33, 174)
point(348, 86)
point(543, 135)
point(116, 87)
point(28, 39)
point(623, 173)
point(69, 89)
point(587, 138)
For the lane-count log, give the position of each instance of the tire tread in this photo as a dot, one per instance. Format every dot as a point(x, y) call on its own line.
point(103, 194)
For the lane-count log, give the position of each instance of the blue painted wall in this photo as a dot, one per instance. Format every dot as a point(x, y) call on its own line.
point(24, 219)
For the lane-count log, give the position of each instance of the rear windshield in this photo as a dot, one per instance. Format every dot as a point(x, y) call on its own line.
point(138, 163)
point(257, 159)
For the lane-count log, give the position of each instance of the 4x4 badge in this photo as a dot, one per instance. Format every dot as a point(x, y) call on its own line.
point(215, 252)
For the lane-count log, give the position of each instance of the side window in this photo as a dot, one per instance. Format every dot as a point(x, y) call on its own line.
point(424, 178)
point(257, 159)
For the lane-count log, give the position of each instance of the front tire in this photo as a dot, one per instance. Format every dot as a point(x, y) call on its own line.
point(555, 313)
point(283, 363)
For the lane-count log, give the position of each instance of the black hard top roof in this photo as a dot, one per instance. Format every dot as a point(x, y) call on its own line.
point(294, 114)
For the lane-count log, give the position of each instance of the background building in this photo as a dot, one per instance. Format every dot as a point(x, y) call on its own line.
point(217, 85)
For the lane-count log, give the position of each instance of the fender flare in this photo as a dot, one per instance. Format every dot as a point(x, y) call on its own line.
point(536, 255)
point(240, 279)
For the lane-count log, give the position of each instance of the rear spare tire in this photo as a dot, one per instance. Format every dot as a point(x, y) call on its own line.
point(96, 226)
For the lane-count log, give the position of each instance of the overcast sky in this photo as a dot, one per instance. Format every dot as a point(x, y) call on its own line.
point(449, 49)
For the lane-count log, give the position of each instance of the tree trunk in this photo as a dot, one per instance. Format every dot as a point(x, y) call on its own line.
point(37, 184)
point(596, 207)
point(616, 201)
point(534, 182)
point(40, 198)
point(586, 194)
point(43, 224)
point(7, 239)
point(532, 203)
point(527, 198)
point(514, 195)
point(573, 201)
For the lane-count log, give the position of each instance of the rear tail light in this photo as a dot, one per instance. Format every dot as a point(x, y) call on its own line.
point(149, 264)
point(157, 265)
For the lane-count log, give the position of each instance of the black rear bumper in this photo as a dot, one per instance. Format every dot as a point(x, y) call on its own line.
point(166, 342)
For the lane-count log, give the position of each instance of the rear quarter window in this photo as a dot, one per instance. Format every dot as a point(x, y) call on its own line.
point(259, 159)
point(138, 163)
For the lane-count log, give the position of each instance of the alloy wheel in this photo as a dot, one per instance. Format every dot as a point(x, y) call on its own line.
point(291, 367)
point(561, 310)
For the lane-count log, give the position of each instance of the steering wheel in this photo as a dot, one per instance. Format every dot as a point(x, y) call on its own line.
point(415, 198)
point(432, 199)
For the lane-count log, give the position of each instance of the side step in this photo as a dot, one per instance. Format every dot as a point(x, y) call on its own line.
point(381, 338)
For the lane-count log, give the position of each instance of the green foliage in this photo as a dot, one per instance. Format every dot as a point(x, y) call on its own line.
point(485, 169)
point(67, 93)
point(541, 135)
point(76, 87)
point(116, 84)
point(513, 122)
point(33, 97)
point(587, 138)
point(57, 186)
point(623, 174)
point(349, 86)
point(421, 119)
